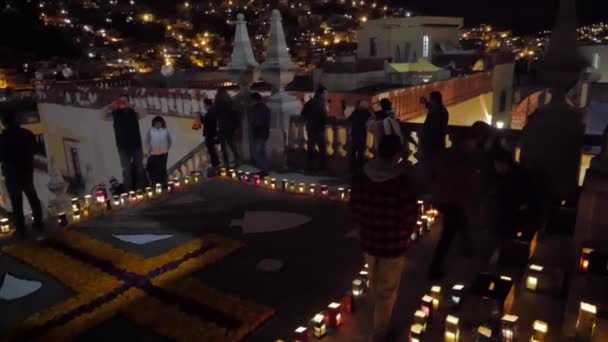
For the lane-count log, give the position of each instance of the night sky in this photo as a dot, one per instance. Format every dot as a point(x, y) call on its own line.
point(524, 16)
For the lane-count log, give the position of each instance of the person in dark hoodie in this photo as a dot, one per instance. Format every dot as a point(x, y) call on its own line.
point(228, 124)
point(17, 146)
point(383, 205)
point(358, 135)
point(432, 139)
point(209, 121)
point(315, 116)
point(261, 133)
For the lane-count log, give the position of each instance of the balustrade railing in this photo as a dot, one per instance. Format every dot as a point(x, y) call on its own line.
point(195, 160)
point(338, 142)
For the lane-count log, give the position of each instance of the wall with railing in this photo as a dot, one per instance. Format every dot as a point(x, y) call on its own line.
point(339, 141)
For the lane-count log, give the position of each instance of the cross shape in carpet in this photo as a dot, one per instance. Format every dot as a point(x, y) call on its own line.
point(111, 281)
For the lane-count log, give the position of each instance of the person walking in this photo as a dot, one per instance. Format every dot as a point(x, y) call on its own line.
point(384, 208)
point(358, 135)
point(128, 142)
point(452, 179)
point(17, 147)
point(315, 117)
point(261, 133)
point(228, 124)
point(210, 132)
point(435, 128)
point(159, 142)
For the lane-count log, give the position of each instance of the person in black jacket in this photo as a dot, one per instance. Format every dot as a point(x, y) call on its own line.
point(358, 135)
point(261, 132)
point(17, 146)
point(432, 140)
point(209, 121)
point(228, 123)
point(315, 116)
point(128, 142)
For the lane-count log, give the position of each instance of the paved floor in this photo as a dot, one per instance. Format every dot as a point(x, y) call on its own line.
point(310, 237)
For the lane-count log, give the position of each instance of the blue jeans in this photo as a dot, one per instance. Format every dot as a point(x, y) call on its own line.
point(259, 155)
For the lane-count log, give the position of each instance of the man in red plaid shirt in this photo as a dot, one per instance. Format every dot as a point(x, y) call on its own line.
point(384, 208)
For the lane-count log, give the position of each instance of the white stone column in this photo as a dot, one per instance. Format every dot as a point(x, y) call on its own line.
point(278, 70)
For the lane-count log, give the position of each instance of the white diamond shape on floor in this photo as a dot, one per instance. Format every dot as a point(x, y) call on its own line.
point(14, 288)
point(142, 239)
point(269, 221)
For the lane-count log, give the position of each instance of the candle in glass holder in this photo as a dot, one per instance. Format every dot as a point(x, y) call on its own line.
point(5, 226)
point(124, 199)
point(585, 259)
point(416, 332)
point(533, 277)
point(335, 314)
point(436, 294)
point(540, 330)
point(176, 183)
point(149, 192)
point(132, 197)
point(509, 328)
point(452, 329)
point(425, 222)
point(357, 287)
point(273, 183)
point(88, 201)
point(187, 180)
point(75, 204)
point(420, 319)
point(247, 177)
point(585, 322)
point(426, 305)
point(62, 219)
point(419, 228)
point(266, 182)
point(324, 190)
point(140, 195)
point(301, 334)
point(170, 186)
point(284, 184)
point(233, 174)
point(301, 187)
point(257, 181)
point(292, 186)
point(342, 193)
point(240, 174)
point(457, 295)
point(223, 172)
point(197, 177)
point(319, 327)
point(116, 201)
point(348, 302)
point(312, 188)
point(159, 188)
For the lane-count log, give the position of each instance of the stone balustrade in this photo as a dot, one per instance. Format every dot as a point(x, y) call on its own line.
point(338, 142)
point(196, 160)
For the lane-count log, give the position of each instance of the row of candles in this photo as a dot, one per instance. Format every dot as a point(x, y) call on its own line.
point(82, 208)
point(285, 184)
point(585, 323)
point(333, 316)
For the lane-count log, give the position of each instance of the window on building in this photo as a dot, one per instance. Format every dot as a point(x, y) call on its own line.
point(502, 101)
point(596, 61)
point(426, 46)
point(373, 50)
point(406, 53)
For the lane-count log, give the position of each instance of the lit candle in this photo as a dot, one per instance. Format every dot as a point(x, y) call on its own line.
point(187, 180)
point(223, 172)
point(247, 177)
point(62, 219)
point(301, 334)
point(149, 192)
point(540, 331)
point(419, 228)
point(364, 276)
point(457, 294)
point(335, 314)
point(5, 226)
point(159, 188)
point(86, 212)
point(176, 183)
point(484, 334)
point(240, 175)
point(319, 328)
point(414, 235)
point(429, 222)
point(284, 184)
point(585, 323)
point(116, 200)
point(427, 306)
point(257, 181)
point(509, 328)
point(301, 187)
point(342, 193)
point(324, 190)
point(77, 215)
point(170, 186)
point(421, 207)
point(416, 332)
point(585, 260)
point(436, 294)
point(75, 204)
point(420, 319)
point(197, 177)
point(124, 199)
point(140, 195)
point(357, 287)
point(292, 186)
point(233, 174)
point(132, 197)
point(532, 279)
point(312, 188)
point(266, 182)
point(273, 183)
point(425, 222)
point(88, 200)
point(452, 330)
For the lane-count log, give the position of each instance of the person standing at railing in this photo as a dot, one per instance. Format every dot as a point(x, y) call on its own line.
point(384, 209)
point(383, 123)
point(435, 129)
point(261, 133)
point(17, 147)
point(128, 142)
point(358, 135)
point(209, 121)
point(228, 123)
point(315, 117)
point(158, 141)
